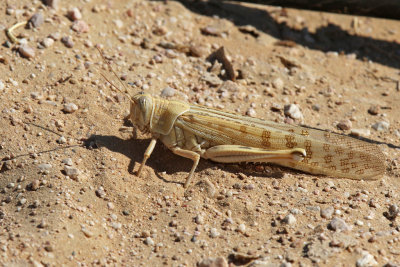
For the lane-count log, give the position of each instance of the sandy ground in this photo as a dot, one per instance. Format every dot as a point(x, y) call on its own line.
point(68, 190)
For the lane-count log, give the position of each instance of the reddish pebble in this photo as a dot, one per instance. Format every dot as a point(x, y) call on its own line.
point(80, 26)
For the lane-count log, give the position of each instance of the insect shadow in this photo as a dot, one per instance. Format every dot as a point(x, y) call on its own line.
point(163, 160)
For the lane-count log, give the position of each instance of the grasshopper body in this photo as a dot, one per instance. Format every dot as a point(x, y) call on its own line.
point(194, 131)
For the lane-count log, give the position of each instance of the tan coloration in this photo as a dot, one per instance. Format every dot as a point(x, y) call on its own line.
point(10, 31)
point(193, 131)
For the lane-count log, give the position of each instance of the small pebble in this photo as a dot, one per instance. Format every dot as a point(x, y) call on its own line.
point(45, 167)
point(68, 161)
point(149, 241)
point(374, 110)
point(210, 30)
point(381, 126)
point(2, 86)
point(47, 42)
point(55, 36)
point(71, 172)
point(36, 20)
point(199, 219)
point(80, 26)
point(160, 30)
point(119, 23)
point(74, 14)
point(367, 260)
point(110, 205)
point(339, 225)
point(327, 213)
point(86, 232)
point(61, 140)
point(360, 132)
point(34, 185)
point(241, 228)
point(214, 262)
point(168, 92)
point(251, 112)
point(116, 225)
point(49, 248)
point(214, 233)
point(67, 41)
point(43, 224)
point(293, 111)
point(52, 3)
point(289, 219)
point(344, 125)
point(126, 212)
point(359, 223)
point(100, 192)
point(278, 83)
point(26, 51)
point(22, 201)
point(70, 108)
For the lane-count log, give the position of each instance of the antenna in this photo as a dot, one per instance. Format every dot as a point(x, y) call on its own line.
point(112, 70)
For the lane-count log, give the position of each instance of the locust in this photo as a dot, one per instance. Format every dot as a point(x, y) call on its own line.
point(195, 131)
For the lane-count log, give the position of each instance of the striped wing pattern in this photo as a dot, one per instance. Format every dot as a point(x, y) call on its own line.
point(327, 153)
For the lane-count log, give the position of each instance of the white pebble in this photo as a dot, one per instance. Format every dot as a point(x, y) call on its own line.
point(360, 132)
point(251, 112)
point(214, 233)
point(116, 225)
point(293, 111)
point(199, 219)
point(62, 140)
point(22, 201)
point(47, 42)
point(366, 260)
point(45, 167)
point(118, 23)
point(381, 126)
point(70, 108)
point(149, 241)
point(168, 92)
point(67, 161)
point(289, 219)
point(241, 228)
point(278, 83)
